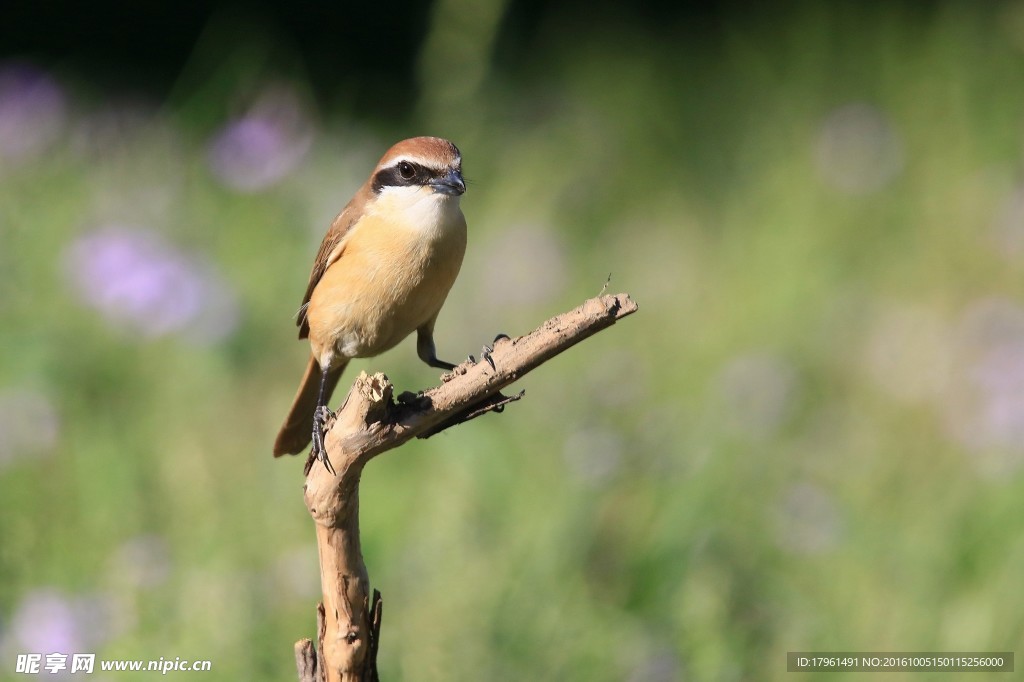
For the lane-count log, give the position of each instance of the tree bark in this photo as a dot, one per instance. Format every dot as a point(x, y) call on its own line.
point(369, 423)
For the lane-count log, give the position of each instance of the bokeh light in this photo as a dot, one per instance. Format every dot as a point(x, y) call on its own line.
point(858, 151)
point(33, 112)
point(264, 145)
point(138, 281)
point(810, 436)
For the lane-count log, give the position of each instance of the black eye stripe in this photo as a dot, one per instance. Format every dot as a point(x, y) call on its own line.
point(392, 176)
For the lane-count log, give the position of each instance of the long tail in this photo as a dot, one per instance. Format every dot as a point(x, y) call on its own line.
point(297, 431)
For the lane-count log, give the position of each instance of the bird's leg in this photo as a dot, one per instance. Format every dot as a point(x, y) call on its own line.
point(320, 416)
point(425, 349)
point(441, 364)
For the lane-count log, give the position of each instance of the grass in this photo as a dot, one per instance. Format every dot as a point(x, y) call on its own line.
point(793, 446)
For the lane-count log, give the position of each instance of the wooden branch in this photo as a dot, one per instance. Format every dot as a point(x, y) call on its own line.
point(369, 423)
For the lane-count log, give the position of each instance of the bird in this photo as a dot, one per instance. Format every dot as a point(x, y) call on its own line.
point(383, 271)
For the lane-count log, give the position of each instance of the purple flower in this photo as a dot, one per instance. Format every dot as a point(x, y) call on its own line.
point(986, 408)
point(999, 374)
point(47, 621)
point(139, 282)
point(262, 147)
point(44, 622)
point(32, 111)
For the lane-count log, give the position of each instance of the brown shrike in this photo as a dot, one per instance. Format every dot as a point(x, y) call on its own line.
point(382, 272)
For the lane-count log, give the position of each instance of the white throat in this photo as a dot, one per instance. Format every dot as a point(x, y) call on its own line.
point(419, 208)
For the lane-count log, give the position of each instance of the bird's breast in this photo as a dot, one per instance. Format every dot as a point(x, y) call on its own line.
point(395, 272)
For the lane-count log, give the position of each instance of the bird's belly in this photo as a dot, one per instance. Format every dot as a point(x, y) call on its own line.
point(377, 321)
point(375, 297)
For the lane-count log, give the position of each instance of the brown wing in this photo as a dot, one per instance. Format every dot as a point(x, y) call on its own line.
point(331, 249)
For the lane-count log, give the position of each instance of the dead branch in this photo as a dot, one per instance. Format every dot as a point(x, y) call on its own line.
point(369, 423)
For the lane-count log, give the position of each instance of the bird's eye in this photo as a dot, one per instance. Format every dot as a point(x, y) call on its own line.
point(406, 170)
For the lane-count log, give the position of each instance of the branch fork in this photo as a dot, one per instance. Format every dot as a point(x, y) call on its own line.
point(371, 422)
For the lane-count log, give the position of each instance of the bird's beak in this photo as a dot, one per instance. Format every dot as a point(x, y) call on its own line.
point(451, 183)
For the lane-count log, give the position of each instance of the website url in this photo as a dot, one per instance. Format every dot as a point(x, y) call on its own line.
point(161, 665)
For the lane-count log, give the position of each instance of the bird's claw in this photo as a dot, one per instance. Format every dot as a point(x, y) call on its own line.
point(320, 418)
point(485, 354)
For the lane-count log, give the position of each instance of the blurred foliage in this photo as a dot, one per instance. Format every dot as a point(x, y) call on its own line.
point(811, 437)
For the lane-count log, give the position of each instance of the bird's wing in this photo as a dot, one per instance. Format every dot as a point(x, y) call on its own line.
point(330, 251)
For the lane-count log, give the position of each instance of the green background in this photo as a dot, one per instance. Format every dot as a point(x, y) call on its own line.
point(811, 436)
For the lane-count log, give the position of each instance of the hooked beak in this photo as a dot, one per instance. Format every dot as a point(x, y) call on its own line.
point(451, 183)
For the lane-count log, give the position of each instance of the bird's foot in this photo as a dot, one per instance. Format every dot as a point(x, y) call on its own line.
point(320, 419)
point(486, 351)
point(485, 354)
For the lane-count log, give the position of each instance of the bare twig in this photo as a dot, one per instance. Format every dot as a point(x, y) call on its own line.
point(305, 660)
point(494, 403)
point(370, 423)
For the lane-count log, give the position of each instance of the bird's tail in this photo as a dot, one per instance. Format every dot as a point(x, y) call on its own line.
point(297, 430)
